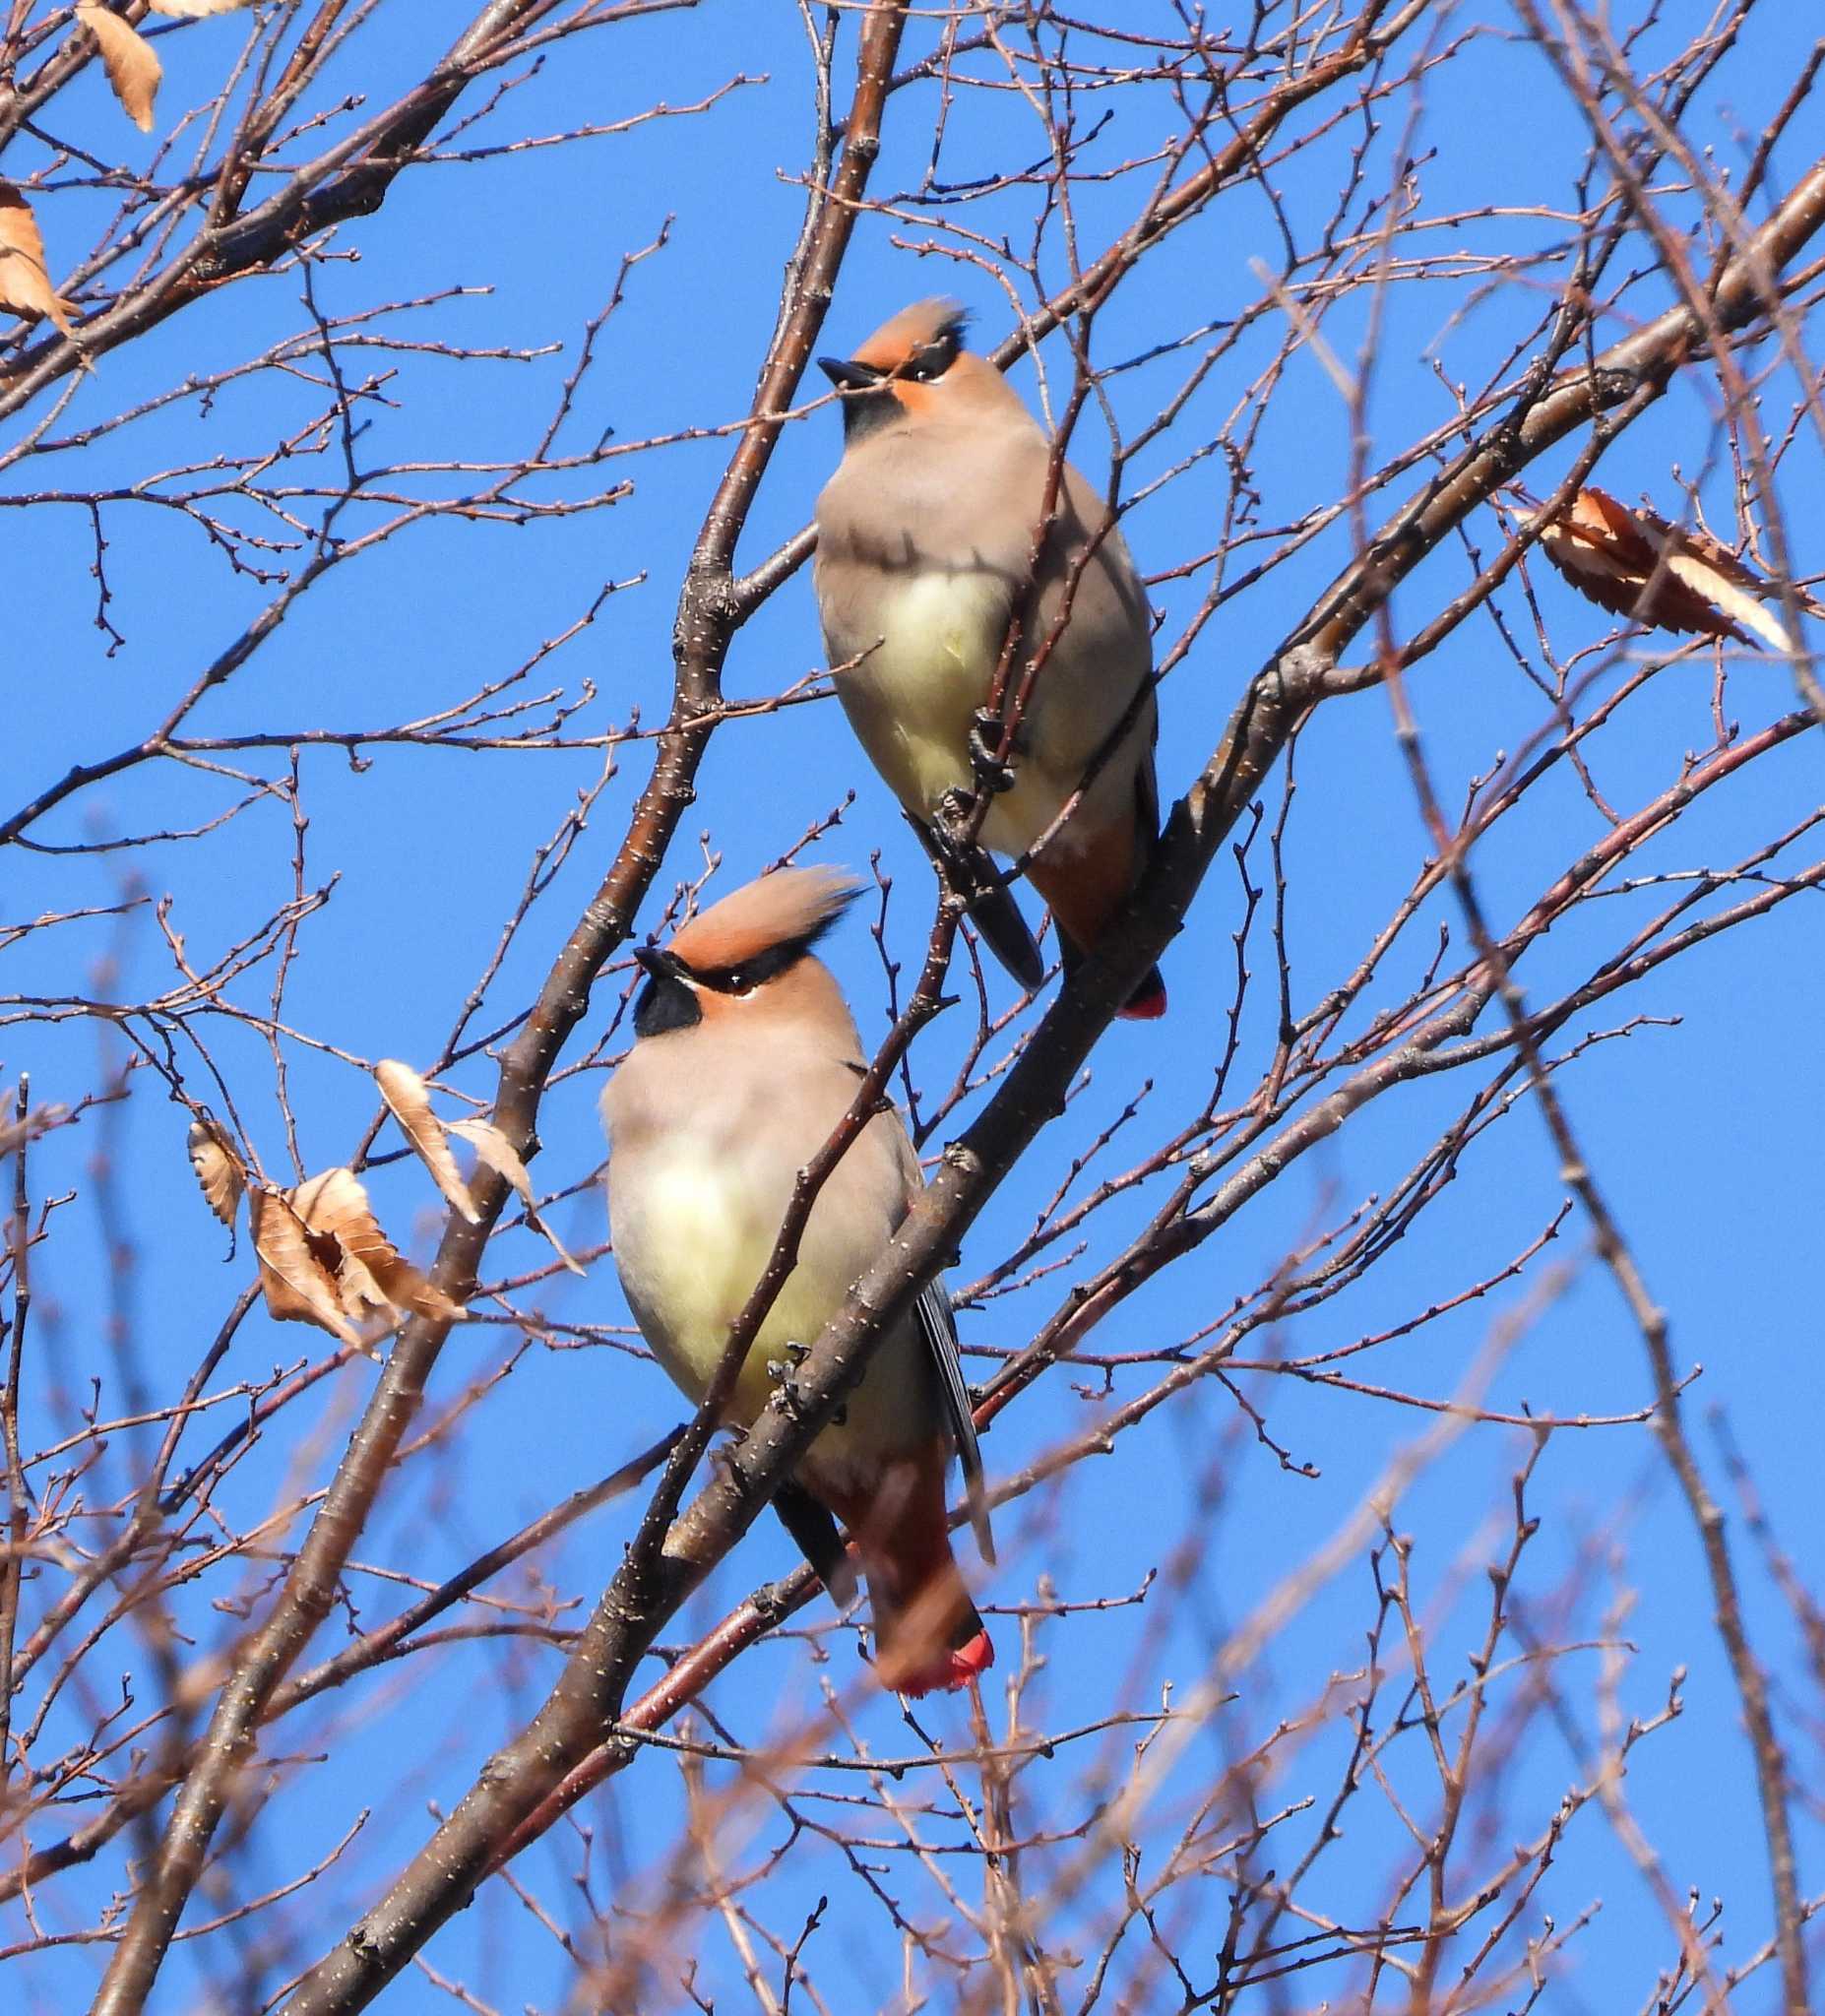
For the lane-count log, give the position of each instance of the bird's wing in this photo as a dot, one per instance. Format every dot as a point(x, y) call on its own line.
point(1146, 801)
point(938, 1327)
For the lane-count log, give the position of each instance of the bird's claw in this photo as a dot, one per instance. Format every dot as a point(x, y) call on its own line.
point(951, 827)
point(986, 733)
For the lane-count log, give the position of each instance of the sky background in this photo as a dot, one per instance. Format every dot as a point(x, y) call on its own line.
point(1703, 1134)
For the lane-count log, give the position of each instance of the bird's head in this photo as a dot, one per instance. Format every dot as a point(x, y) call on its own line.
point(747, 958)
point(914, 368)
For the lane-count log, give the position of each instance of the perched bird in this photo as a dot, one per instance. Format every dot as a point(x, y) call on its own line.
point(924, 539)
point(745, 1060)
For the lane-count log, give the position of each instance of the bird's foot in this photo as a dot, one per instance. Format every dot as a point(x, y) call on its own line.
point(950, 826)
point(985, 732)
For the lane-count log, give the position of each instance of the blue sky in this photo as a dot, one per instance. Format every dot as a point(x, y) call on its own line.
point(1703, 1134)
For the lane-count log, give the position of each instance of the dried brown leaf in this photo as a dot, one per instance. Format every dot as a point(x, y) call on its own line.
point(492, 1147)
point(25, 279)
point(218, 1169)
point(369, 1271)
point(1638, 564)
point(132, 65)
point(298, 1285)
point(196, 10)
point(1734, 603)
point(408, 1099)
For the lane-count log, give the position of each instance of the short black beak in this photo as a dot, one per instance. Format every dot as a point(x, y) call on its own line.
point(848, 376)
point(656, 963)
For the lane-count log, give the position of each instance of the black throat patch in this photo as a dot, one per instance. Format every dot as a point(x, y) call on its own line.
point(868, 412)
point(665, 1003)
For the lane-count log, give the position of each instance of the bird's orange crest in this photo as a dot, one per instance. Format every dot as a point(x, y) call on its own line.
point(896, 340)
point(791, 907)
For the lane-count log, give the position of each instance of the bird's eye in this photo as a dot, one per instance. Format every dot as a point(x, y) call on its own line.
point(934, 359)
point(738, 982)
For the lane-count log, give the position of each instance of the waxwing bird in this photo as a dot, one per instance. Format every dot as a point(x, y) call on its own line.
point(745, 1058)
point(924, 537)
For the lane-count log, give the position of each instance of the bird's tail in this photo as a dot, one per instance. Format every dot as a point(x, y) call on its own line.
point(1148, 1002)
point(993, 909)
point(997, 915)
point(928, 1634)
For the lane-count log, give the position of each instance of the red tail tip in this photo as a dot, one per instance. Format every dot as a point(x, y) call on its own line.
point(1146, 1006)
point(956, 1670)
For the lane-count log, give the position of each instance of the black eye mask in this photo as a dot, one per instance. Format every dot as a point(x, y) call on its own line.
point(932, 359)
point(668, 1000)
point(868, 403)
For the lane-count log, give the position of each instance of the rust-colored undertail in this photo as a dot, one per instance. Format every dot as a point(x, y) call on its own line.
point(1086, 890)
point(928, 1634)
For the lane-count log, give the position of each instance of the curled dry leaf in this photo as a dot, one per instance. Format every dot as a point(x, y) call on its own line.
point(25, 279)
point(196, 10)
point(218, 1169)
point(132, 65)
point(325, 1260)
point(492, 1147)
point(298, 1286)
point(408, 1099)
point(367, 1268)
point(1638, 564)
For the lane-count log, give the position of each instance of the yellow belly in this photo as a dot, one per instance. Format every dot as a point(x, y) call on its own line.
point(914, 702)
point(698, 1274)
point(690, 1248)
